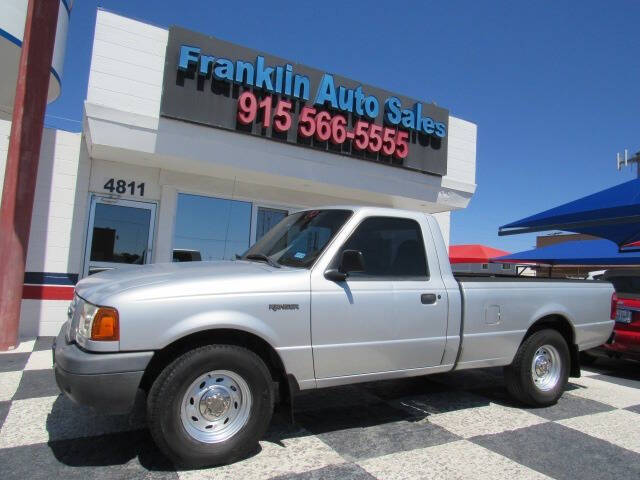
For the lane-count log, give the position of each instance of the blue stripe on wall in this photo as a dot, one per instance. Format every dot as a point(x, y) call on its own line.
point(50, 278)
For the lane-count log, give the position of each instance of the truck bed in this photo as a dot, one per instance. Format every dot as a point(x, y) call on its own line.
point(497, 311)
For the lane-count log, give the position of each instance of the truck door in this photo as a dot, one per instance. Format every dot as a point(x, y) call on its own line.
point(392, 316)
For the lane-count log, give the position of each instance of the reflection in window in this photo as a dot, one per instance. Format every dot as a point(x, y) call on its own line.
point(267, 219)
point(120, 234)
point(391, 247)
point(301, 237)
point(209, 228)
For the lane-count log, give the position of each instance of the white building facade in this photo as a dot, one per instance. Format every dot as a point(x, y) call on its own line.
point(139, 185)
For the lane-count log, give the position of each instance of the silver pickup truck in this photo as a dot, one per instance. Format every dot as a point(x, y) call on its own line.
point(327, 297)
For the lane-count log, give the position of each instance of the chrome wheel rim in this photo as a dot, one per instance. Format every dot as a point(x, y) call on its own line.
point(216, 406)
point(546, 367)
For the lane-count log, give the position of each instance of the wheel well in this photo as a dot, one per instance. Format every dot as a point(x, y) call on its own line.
point(555, 322)
point(563, 326)
point(240, 338)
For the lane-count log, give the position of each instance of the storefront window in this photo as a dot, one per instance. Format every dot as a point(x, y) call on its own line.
point(209, 228)
point(267, 219)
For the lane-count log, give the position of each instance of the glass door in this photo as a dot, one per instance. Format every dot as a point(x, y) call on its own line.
point(120, 232)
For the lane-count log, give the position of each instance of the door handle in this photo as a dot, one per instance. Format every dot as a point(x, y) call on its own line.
point(428, 298)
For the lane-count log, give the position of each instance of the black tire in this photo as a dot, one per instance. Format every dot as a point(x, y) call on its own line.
point(164, 404)
point(587, 358)
point(518, 375)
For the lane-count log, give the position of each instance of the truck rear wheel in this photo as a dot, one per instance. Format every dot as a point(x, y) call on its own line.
point(540, 369)
point(210, 406)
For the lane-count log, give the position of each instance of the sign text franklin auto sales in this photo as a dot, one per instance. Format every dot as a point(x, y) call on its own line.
point(291, 102)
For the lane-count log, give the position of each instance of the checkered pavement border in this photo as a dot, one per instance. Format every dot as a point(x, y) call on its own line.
point(460, 425)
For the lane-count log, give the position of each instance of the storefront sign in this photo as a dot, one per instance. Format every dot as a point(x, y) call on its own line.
point(220, 84)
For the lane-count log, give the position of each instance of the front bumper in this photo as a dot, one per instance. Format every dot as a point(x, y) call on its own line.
point(106, 382)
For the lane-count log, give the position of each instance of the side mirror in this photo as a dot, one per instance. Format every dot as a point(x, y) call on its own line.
point(334, 275)
point(351, 261)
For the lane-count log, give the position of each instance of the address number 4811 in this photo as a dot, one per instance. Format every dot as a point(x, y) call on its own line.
point(122, 186)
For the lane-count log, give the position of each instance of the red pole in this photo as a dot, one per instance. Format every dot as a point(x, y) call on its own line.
point(22, 160)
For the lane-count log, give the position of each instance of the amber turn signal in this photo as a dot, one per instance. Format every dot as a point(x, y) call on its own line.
point(105, 325)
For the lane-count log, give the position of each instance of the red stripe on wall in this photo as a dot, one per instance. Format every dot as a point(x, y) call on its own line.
point(47, 292)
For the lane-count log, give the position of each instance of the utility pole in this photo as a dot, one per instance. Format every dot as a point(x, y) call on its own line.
point(22, 160)
point(624, 160)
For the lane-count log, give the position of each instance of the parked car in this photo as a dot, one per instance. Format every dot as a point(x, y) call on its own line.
point(186, 255)
point(625, 310)
point(327, 297)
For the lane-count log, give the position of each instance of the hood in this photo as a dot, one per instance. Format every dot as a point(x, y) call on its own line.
point(164, 280)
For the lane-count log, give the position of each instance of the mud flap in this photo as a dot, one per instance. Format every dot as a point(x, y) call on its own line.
point(286, 392)
point(574, 371)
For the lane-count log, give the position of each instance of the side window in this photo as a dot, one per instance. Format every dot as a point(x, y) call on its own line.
point(391, 247)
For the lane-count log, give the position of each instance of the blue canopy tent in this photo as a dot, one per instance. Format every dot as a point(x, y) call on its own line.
point(613, 214)
point(579, 252)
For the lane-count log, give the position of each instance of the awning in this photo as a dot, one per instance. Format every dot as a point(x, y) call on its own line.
point(473, 253)
point(613, 214)
point(579, 252)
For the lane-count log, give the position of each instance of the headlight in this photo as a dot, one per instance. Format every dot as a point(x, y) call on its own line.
point(70, 333)
point(72, 307)
point(85, 320)
point(98, 323)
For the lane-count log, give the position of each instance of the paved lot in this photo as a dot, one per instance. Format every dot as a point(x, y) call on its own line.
point(447, 426)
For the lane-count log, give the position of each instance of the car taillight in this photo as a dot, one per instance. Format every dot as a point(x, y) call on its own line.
point(614, 306)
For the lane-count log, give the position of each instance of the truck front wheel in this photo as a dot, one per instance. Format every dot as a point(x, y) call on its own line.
point(540, 369)
point(210, 406)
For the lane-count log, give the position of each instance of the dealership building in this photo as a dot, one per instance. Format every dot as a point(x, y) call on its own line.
point(192, 148)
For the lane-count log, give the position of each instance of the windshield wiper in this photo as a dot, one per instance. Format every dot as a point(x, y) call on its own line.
point(263, 257)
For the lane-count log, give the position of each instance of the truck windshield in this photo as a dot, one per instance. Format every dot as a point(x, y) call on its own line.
point(299, 239)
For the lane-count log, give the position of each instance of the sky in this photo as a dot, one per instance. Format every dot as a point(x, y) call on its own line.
point(554, 87)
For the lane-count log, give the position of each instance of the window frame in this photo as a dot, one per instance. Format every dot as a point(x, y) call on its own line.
point(335, 261)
